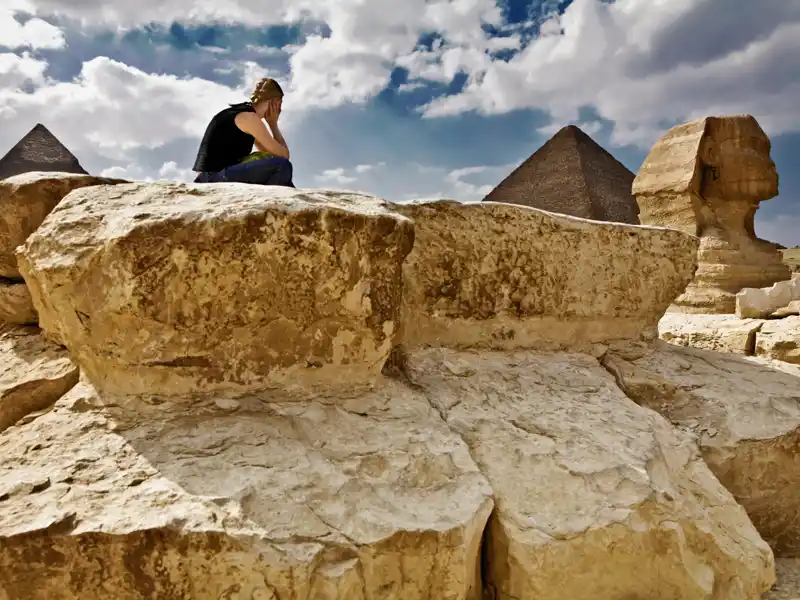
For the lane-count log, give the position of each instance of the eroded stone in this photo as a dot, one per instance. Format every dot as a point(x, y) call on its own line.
point(760, 303)
point(25, 201)
point(780, 340)
point(745, 413)
point(721, 333)
point(16, 305)
point(373, 498)
point(707, 178)
point(503, 276)
point(33, 374)
point(167, 288)
point(596, 497)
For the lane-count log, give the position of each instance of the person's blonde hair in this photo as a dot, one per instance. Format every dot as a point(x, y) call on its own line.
point(266, 89)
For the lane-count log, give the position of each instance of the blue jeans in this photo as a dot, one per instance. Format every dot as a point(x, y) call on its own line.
point(266, 171)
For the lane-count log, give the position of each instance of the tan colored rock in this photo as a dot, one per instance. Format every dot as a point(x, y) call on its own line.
point(504, 276)
point(788, 586)
point(25, 201)
point(721, 333)
point(373, 498)
point(707, 178)
point(16, 305)
point(790, 310)
point(745, 413)
point(760, 303)
point(33, 374)
point(173, 289)
point(780, 340)
point(595, 497)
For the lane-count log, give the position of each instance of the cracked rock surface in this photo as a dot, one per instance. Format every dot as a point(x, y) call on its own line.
point(34, 373)
point(596, 497)
point(134, 499)
point(745, 415)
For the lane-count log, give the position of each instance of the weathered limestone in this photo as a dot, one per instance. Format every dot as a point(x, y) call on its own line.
point(780, 340)
point(16, 305)
point(33, 374)
point(25, 201)
point(242, 499)
point(760, 303)
point(707, 178)
point(790, 310)
point(174, 289)
point(745, 413)
point(578, 470)
point(503, 276)
point(721, 333)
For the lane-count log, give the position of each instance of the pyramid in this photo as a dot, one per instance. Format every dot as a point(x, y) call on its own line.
point(572, 174)
point(39, 150)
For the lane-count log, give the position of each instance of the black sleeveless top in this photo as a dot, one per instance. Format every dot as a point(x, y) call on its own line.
point(224, 144)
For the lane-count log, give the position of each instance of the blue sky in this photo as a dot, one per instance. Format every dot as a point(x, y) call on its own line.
point(422, 98)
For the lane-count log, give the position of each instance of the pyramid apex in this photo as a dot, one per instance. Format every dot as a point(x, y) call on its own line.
point(39, 150)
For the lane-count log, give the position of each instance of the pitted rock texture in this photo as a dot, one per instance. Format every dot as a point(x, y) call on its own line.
point(172, 289)
point(780, 340)
point(707, 178)
point(25, 201)
point(34, 374)
point(745, 413)
point(120, 498)
point(503, 276)
point(721, 333)
point(16, 305)
point(596, 497)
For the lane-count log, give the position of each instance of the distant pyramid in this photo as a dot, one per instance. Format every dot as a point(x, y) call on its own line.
point(39, 150)
point(572, 174)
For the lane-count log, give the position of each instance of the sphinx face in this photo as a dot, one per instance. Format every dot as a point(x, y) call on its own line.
point(738, 166)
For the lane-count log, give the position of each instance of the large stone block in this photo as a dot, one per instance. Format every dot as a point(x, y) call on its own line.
point(168, 288)
point(721, 333)
point(707, 178)
point(780, 340)
point(240, 499)
point(744, 413)
point(34, 374)
point(505, 276)
point(595, 496)
point(25, 201)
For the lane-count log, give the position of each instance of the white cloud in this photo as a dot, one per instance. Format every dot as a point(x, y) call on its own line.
point(33, 33)
point(614, 57)
point(368, 168)
point(110, 108)
point(17, 72)
point(335, 176)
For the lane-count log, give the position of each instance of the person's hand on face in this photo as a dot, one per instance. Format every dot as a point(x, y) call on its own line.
point(273, 111)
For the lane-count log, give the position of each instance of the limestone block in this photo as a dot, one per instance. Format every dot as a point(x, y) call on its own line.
point(16, 305)
point(240, 499)
point(721, 333)
point(790, 310)
point(707, 178)
point(780, 340)
point(25, 200)
point(33, 374)
point(505, 276)
point(173, 289)
point(760, 303)
point(595, 496)
point(745, 413)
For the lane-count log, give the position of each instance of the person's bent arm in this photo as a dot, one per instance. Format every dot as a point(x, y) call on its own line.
point(250, 123)
point(276, 133)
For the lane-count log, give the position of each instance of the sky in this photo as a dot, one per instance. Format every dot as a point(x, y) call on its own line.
point(403, 99)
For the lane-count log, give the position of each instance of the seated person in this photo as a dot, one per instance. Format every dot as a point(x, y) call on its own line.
point(225, 152)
